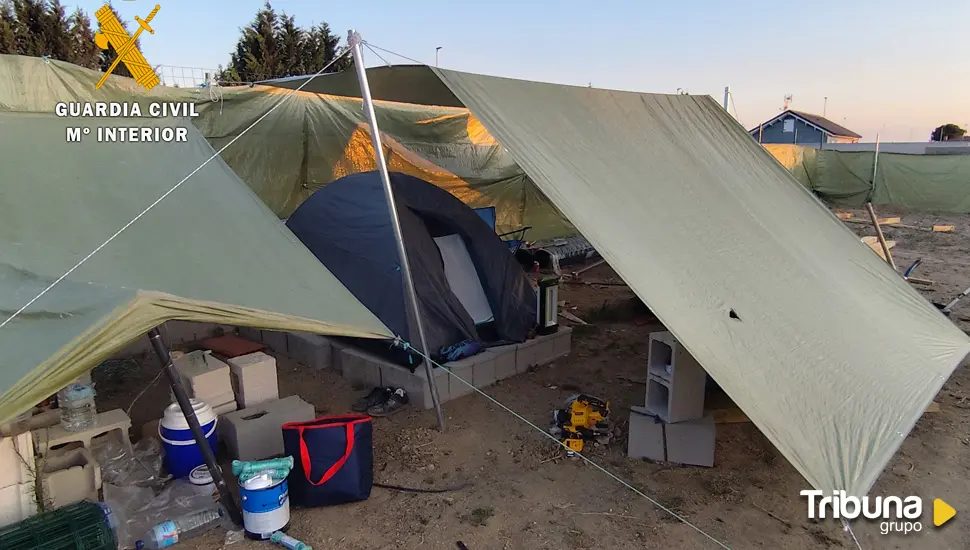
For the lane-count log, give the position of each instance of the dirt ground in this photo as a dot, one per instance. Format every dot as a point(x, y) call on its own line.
point(513, 494)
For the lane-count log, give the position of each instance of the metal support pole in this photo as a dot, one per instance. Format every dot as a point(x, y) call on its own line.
point(727, 96)
point(225, 497)
point(875, 165)
point(353, 39)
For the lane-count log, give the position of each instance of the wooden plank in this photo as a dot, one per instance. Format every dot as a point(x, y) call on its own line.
point(889, 221)
point(844, 215)
point(734, 415)
point(943, 228)
point(873, 243)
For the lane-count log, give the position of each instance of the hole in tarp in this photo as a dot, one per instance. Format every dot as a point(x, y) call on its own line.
point(734, 315)
point(260, 414)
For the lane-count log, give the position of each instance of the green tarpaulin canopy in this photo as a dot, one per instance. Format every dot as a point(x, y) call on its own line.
point(829, 351)
point(320, 134)
point(210, 251)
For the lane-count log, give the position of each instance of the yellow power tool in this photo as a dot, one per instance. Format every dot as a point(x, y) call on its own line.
point(584, 418)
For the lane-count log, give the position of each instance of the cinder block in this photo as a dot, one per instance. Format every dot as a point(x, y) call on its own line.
point(16, 460)
point(251, 334)
point(483, 371)
point(225, 408)
point(416, 384)
point(464, 369)
point(646, 438)
point(336, 360)
point(505, 357)
point(114, 420)
point(275, 340)
point(254, 379)
point(544, 349)
point(691, 442)
point(675, 380)
point(180, 332)
point(562, 341)
point(525, 356)
point(17, 503)
point(360, 368)
point(71, 477)
point(309, 349)
point(205, 377)
point(257, 433)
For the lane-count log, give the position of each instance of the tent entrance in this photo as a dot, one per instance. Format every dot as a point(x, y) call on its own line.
point(463, 278)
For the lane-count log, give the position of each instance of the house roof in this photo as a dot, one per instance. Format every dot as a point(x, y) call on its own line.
point(815, 120)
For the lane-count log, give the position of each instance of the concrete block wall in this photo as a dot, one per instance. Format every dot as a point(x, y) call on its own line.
point(365, 370)
point(312, 350)
point(175, 333)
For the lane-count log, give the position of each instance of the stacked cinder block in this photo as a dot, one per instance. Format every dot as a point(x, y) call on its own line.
point(366, 370)
point(207, 379)
point(71, 476)
point(254, 379)
point(115, 422)
point(308, 349)
point(17, 500)
point(543, 349)
point(672, 427)
point(256, 433)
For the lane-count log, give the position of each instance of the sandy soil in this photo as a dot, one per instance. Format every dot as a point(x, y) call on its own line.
point(515, 495)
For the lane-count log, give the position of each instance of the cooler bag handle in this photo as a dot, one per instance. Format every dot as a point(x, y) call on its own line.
point(332, 471)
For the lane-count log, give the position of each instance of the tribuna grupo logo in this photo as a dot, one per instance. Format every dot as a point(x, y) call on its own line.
point(895, 514)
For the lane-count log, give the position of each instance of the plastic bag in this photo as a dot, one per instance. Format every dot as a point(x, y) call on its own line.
point(121, 467)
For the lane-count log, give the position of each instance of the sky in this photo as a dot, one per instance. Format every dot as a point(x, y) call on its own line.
point(896, 68)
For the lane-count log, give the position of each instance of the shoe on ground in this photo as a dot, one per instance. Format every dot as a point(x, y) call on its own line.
point(375, 397)
point(397, 400)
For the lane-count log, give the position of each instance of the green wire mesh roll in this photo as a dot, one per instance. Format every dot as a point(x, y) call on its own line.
point(78, 526)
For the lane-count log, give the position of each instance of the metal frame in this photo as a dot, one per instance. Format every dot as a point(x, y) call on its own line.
point(353, 39)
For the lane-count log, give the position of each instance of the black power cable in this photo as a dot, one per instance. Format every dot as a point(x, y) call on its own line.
point(417, 490)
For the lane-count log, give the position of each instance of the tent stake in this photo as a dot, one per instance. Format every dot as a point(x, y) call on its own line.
point(353, 38)
point(225, 497)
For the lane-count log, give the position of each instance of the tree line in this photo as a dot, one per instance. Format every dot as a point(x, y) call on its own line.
point(42, 28)
point(271, 46)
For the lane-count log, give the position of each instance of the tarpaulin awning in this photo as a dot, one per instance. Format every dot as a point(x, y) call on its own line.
point(825, 348)
point(211, 251)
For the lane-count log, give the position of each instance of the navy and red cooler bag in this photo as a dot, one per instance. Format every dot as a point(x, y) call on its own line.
point(333, 459)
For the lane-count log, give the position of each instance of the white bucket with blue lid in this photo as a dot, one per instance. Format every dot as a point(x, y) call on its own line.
point(182, 455)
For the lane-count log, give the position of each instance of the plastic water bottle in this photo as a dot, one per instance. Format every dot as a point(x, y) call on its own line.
point(78, 412)
point(173, 531)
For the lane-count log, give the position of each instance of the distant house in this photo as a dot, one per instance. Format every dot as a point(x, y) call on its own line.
point(801, 128)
